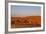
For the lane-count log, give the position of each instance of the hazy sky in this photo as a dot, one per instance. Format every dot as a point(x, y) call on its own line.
point(25, 10)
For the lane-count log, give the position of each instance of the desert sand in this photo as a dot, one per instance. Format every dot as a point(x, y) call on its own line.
point(25, 22)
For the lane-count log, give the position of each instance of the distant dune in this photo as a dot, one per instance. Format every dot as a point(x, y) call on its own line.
point(28, 21)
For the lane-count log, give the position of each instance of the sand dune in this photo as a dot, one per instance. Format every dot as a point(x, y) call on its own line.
point(28, 21)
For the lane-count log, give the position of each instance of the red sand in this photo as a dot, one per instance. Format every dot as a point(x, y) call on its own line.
point(36, 22)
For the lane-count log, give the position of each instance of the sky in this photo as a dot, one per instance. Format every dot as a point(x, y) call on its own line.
point(21, 11)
